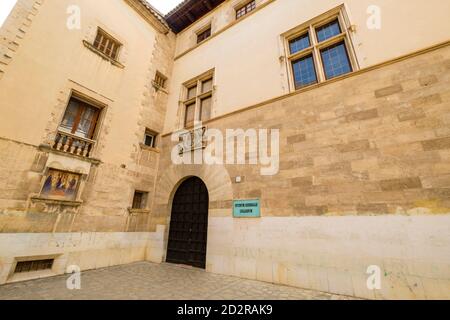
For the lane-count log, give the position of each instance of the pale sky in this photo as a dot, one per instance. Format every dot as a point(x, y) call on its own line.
point(162, 5)
point(5, 8)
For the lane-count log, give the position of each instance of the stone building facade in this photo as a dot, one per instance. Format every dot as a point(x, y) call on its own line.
point(46, 65)
point(363, 178)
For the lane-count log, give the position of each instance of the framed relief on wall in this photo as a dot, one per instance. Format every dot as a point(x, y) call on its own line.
point(61, 185)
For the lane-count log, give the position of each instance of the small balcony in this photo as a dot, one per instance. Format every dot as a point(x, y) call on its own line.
point(75, 145)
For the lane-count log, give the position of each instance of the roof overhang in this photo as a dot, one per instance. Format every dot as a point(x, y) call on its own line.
point(150, 14)
point(189, 11)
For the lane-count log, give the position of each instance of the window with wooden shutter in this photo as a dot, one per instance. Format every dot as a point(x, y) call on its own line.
point(80, 119)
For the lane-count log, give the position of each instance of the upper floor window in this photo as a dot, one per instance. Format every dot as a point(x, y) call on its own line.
point(160, 80)
point(245, 9)
point(198, 99)
point(320, 51)
point(80, 119)
point(106, 44)
point(76, 132)
point(150, 138)
point(139, 200)
point(204, 34)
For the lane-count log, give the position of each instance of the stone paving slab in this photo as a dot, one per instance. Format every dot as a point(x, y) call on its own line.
point(149, 281)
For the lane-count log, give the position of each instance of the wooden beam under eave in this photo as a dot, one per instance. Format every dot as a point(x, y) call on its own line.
point(208, 4)
point(190, 17)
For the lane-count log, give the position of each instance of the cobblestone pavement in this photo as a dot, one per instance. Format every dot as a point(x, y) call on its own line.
point(148, 281)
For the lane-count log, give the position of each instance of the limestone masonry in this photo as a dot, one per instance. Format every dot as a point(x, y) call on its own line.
point(92, 94)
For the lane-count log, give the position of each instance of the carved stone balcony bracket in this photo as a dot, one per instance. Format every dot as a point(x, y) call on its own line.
point(66, 203)
point(38, 204)
point(48, 148)
point(144, 147)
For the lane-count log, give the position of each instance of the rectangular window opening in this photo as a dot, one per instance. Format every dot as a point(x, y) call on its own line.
point(202, 36)
point(328, 30)
point(304, 72)
point(192, 92)
point(335, 60)
point(140, 200)
point(190, 115)
point(150, 138)
point(299, 43)
point(80, 119)
point(77, 131)
point(160, 80)
point(198, 100)
point(205, 113)
point(245, 9)
point(207, 85)
point(106, 44)
point(319, 51)
point(36, 265)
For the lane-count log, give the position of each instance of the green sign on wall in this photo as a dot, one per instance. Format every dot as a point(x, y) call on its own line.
point(246, 209)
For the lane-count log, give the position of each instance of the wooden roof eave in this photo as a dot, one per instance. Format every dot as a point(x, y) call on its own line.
point(150, 14)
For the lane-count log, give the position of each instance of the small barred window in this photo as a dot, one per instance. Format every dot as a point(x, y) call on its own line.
point(107, 44)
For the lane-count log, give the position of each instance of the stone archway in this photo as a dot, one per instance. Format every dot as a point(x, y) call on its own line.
point(188, 231)
point(218, 184)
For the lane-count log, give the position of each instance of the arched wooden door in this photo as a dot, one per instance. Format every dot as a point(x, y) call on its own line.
point(189, 224)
